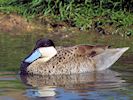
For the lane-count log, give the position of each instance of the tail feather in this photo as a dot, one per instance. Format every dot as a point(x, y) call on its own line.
point(109, 57)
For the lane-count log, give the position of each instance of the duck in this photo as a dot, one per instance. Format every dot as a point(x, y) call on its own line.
point(46, 59)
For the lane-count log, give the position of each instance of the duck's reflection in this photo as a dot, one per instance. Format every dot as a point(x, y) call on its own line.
point(47, 85)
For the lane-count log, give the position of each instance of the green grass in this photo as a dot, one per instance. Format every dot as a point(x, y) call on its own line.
point(5, 2)
point(81, 13)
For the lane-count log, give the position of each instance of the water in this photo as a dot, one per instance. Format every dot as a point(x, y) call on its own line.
point(111, 84)
point(104, 85)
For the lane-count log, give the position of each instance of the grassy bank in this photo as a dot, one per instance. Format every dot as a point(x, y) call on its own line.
point(84, 14)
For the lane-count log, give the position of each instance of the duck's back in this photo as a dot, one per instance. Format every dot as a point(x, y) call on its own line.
point(76, 59)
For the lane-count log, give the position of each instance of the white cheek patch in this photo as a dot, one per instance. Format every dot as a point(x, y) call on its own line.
point(47, 52)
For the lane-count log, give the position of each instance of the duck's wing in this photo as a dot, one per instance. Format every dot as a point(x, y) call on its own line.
point(89, 50)
point(102, 56)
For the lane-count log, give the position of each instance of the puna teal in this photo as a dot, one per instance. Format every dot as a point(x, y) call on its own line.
point(70, 60)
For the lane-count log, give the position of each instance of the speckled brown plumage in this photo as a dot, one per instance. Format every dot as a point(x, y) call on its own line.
point(75, 59)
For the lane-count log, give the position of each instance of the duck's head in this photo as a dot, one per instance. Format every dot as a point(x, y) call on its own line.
point(42, 48)
point(44, 43)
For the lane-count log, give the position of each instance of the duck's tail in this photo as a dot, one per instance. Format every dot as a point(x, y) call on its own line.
point(109, 57)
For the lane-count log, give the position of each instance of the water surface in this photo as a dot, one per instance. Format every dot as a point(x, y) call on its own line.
point(104, 85)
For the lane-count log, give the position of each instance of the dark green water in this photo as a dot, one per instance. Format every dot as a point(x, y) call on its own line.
point(113, 84)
